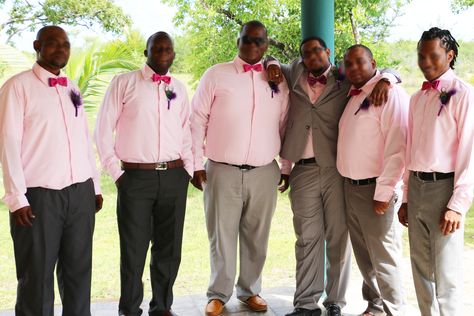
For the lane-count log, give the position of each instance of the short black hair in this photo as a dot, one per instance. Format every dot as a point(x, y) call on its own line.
point(253, 23)
point(157, 34)
point(47, 28)
point(447, 41)
point(313, 38)
point(368, 51)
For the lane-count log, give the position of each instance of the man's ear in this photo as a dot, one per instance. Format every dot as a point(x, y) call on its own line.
point(37, 46)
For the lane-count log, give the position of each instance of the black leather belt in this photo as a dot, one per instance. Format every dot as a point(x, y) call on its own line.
point(433, 176)
point(241, 167)
point(362, 181)
point(306, 161)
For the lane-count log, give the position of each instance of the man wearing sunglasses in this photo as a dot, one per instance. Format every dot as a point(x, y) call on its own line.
point(237, 123)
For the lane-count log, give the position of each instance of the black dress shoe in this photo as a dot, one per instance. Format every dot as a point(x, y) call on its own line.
point(305, 312)
point(333, 310)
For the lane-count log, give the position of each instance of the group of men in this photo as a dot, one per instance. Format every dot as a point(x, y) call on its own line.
point(348, 141)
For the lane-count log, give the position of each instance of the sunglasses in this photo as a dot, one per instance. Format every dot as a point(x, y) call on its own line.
point(247, 40)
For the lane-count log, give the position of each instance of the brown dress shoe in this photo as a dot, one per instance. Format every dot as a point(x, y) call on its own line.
point(214, 308)
point(256, 303)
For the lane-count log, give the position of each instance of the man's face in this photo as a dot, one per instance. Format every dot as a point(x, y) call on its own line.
point(160, 53)
point(252, 44)
point(359, 66)
point(433, 59)
point(315, 57)
point(53, 48)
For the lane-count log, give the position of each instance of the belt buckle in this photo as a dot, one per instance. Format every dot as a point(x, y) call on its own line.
point(161, 166)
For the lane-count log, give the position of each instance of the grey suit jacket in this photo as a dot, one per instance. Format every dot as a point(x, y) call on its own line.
point(322, 117)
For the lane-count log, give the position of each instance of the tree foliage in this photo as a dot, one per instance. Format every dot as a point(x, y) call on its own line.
point(211, 26)
point(459, 5)
point(26, 15)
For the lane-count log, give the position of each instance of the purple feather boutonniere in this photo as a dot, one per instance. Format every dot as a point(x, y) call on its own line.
point(363, 106)
point(170, 95)
point(444, 97)
point(338, 73)
point(274, 87)
point(76, 100)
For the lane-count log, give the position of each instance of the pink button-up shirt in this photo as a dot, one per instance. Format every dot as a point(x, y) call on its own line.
point(313, 93)
point(136, 123)
point(444, 142)
point(373, 142)
point(43, 143)
point(235, 118)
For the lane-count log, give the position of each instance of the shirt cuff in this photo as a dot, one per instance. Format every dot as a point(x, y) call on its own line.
point(460, 202)
point(273, 62)
point(383, 193)
point(16, 202)
point(390, 77)
point(97, 188)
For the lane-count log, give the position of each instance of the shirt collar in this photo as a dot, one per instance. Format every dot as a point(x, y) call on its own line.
point(325, 73)
point(239, 64)
point(43, 75)
point(147, 72)
point(369, 85)
point(445, 79)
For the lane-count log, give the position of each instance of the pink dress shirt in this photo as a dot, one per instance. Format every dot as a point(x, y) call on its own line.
point(444, 143)
point(236, 119)
point(373, 142)
point(134, 123)
point(313, 93)
point(43, 143)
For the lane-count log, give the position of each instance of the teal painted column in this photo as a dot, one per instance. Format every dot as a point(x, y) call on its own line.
point(317, 19)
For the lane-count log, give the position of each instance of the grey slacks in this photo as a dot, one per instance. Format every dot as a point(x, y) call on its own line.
point(319, 220)
point(376, 241)
point(436, 259)
point(239, 206)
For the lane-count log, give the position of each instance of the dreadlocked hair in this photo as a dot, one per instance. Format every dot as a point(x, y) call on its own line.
point(448, 42)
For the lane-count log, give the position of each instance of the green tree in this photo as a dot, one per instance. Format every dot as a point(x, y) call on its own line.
point(211, 27)
point(28, 15)
point(459, 5)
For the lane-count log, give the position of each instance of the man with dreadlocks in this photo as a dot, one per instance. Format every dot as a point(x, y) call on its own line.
point(440, 175)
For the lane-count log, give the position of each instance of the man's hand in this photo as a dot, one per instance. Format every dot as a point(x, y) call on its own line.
point(379, 94)
point(274, 74)
point(284, 183)
point(98, 202)
point(23, 216)
point(380, 207)
point(403, 214)
point(198, 179)
point(449, 221)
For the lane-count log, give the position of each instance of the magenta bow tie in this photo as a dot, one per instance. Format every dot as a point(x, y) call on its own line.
point(256, 67)
point(430, 85)
point(313, 80)
point(354, 92)
point(62, 81)
point(157, 77)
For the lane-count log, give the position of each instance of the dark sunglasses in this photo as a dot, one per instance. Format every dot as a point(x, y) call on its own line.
point(247, 40)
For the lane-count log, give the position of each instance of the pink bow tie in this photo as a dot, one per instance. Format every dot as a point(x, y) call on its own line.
point(62, 81)
point(430, 85)
point(157, 77)
point(354, 92)
point(256, 67)
point(313, 80)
